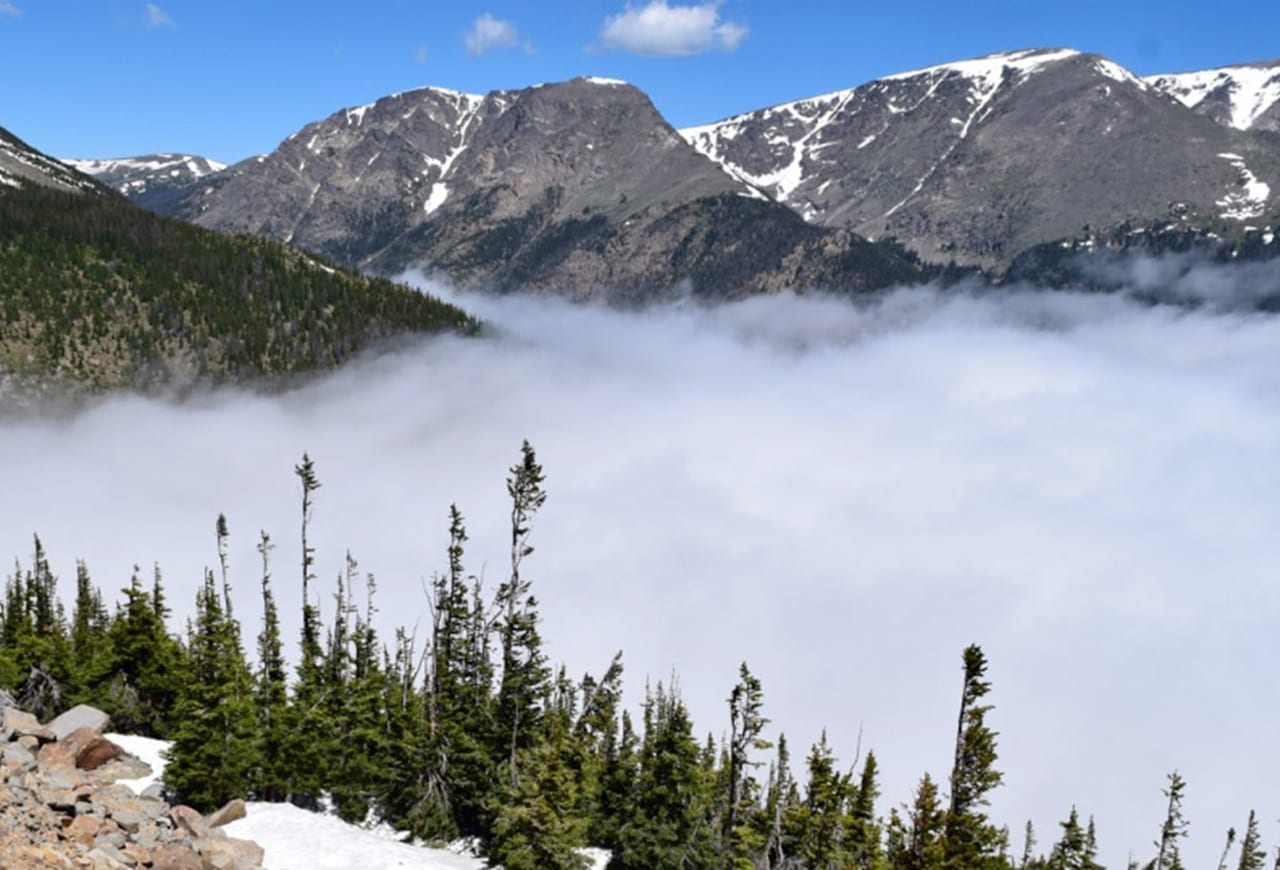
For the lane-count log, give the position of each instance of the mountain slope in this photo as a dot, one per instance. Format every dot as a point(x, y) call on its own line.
point(579, 186)
point(97, 293)
point(22, 165)
point(978, 160)
point(151, 180)
point(1244, 96)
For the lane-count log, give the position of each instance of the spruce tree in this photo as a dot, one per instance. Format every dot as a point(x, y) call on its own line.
point(745, 725)
point(271, 699)
point(1174, 827)
point(1252, 855)
point(969, 841)
point(863, 830)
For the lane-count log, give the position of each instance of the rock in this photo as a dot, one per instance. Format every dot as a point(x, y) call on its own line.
point(30, 742)
point(81, 716)
point(231, 854)
point(107, 858)
point(96, 753)
point(124, 767)
point(83, 829)
point(155, 790)
point(18, 753)
point(231, 812)
point(6, 700)
point(15, 723)
point(59, 754)
point(187, 819)
point(174, 857)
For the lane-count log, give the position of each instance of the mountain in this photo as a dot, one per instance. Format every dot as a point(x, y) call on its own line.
point(1246, 96)
point(977, 160)
point(97, 293)
point(578, 186)
point(21, 166)
point(150, 181)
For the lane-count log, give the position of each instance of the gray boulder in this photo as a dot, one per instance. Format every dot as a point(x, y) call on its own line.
point(81, 716)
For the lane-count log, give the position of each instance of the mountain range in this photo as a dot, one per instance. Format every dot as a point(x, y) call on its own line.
point(582, 186)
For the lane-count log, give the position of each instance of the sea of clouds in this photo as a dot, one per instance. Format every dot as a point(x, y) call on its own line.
point(842, 495)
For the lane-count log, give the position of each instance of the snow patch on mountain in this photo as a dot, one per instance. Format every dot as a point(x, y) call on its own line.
point(1250, 90)
point(1025, 62)
point(1250, 199)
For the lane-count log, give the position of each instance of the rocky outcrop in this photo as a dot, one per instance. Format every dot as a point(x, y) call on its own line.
point(60, 807)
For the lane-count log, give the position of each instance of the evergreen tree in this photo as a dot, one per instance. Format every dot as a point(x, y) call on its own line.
point(1174, 827)
point(1252, 855)
point(821, 841)
point(863, 830)
point(745, 724)
point(1074, 849)
point(145, 664)
point(524, 670)
point(271, 699)
point(969, 841)
point(213, 756)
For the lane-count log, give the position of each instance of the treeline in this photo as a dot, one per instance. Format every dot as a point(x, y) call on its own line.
point(98, 293)
point(469, 731)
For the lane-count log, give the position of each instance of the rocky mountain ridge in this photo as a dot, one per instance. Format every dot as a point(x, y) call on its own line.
point(150, 180)
point(583, 186)
point(977, 160)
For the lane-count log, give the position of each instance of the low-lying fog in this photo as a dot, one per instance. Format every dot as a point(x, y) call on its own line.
point(844, 497)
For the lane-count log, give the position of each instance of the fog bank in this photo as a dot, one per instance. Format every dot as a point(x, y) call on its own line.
point(842, 496)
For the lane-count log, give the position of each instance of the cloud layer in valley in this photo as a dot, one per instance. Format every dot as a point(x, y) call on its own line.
point(842, 496)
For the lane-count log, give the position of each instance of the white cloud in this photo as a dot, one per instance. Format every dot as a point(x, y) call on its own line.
point(662, 29)
point(842, 496)
point(7, 8)
point(422, 54)
point(157, 17)
point(488, 33)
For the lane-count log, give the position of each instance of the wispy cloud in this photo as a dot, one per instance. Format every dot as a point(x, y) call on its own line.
point(157, 17)
point(9, 9)
point(488, 33)
point(674, 31)
point(421, 55)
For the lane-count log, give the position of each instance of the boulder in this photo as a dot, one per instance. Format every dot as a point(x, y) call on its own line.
point(229, 813)
point(187, 819)
point(81, 716)
point(83, 829)
point(15, 723)
point(96, 753)
point(173, 857)
point(228, 853)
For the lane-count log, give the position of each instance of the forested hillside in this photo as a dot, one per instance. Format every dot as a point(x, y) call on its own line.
point(466, 728)
point(99, 294)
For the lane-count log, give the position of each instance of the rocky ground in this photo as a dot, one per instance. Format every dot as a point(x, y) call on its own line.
point(61, 805)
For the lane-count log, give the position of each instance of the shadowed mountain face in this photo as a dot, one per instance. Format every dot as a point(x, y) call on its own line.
point(579, 186)
point(978, 160)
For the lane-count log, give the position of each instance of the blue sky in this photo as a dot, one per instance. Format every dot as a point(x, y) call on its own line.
point(228, 79)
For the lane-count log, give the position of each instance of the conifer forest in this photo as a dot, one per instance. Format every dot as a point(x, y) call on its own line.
point(464, 728)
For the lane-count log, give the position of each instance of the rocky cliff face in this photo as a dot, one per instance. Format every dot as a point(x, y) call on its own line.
point(978, 160)
point(579, 186)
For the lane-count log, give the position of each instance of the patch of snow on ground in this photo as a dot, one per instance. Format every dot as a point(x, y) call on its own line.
point(1113, 70)
point(597, 80)
point(147, 749)
point(1250, 200)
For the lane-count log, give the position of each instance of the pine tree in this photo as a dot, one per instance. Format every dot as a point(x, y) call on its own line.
point(669, 822)
point(1074, 849)
point(213, 756)
point(745, 724)
point(821, 844)
point(271, 699)
point(309, 730)
point(918, 844)
point(862, 830)
point(1174, 827)
point(1252, 855)
point(524, 670)
point(969, 840)
point(146, 665)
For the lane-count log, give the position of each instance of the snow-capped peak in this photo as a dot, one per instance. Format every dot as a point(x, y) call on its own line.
point(1247, 91)
point(1025, 62)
